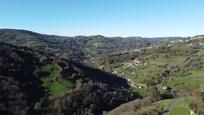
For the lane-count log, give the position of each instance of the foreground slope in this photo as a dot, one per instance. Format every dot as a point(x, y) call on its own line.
point(32, 83)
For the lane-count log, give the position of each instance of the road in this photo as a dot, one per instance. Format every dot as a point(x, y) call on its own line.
point(170, 108)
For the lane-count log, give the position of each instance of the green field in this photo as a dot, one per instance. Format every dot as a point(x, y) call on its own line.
point(163, 104)
point(179, 106)
point(191, 81)
point(180, 111)
point(142, 91)
point(155, 65)
point(54, 85)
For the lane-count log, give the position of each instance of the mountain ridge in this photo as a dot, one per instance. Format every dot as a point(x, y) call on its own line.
point(67, 46)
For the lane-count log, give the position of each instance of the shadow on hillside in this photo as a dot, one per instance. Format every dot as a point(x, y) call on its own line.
point(100, 76)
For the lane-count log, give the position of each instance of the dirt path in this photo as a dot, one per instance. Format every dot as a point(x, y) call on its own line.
point(170, 108)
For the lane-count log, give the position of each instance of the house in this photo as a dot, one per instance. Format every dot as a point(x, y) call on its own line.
point(166, 88)
point(180, 40)
point(101, 67)
point(115, 72)
point(193, 112)
point(141, 85)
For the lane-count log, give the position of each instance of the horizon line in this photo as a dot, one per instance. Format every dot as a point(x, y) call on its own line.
point(90, 35)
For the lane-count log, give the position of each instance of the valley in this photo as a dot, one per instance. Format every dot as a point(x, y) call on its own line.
point(94, 75)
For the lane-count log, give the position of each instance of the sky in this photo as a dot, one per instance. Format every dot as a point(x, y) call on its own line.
point(145, 18)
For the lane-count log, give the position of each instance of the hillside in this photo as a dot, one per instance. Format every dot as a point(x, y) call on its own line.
point(174, 68)
point(31, 82)
point(79, 48)
point(159, 64)
point(44, 74)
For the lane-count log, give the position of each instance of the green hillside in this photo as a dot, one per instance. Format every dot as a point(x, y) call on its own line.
point(84, 75)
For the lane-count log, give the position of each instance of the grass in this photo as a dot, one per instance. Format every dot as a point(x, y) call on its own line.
point(154, 67)
point(163, 104)
point(52, 70)
point(181, 107)
point(183, 102)
point(172, 60)
point(59, 87)
point(150, 71)
point(51, 81)
point(201, 51)
point(189, 82)
point(141, 91)
point(139, 74)
point(180, 111)
point(126, 70)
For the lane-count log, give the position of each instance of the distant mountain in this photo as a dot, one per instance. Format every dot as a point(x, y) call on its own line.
point(77, 48)
point(198, 36)
point(55, 45)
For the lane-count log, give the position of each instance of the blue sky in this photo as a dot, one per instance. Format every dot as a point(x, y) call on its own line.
point(147, 18)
